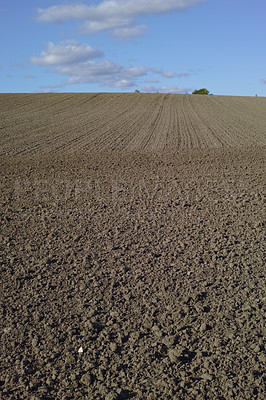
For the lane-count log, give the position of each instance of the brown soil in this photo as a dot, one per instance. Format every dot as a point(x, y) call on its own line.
point(133, 227)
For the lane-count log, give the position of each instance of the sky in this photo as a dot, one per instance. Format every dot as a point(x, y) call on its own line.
point(165, 46)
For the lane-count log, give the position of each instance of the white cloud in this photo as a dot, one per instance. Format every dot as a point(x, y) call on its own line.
point(129, 31)
point(169, 74)
point(124, 83)
point(65, 52)
point(81, 64)
point(118, 15)
point(165, 89)
point(104, 72)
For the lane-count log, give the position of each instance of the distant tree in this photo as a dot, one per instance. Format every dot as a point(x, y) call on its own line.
point(201, 91)
point(137, 91)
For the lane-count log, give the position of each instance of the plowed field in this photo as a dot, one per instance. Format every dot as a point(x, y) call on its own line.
point(63, 123)
point(132, 244)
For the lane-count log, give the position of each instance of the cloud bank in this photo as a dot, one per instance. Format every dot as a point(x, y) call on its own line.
point(66, 52)
point(119, 16)
point(82, 64)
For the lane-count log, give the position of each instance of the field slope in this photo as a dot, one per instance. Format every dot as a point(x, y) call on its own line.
point(132, 247)
point(60, 123)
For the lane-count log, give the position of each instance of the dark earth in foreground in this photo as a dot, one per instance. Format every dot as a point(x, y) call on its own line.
point(131, 274)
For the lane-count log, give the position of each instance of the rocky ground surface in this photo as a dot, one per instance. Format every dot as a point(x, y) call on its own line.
point(131, 247)
point(133, 275)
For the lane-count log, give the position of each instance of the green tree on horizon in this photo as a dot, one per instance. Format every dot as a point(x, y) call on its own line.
point(201, 91)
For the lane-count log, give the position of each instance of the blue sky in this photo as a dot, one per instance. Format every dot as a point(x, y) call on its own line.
point(172, 46)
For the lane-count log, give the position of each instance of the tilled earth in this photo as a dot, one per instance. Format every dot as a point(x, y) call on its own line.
point(132, 240)
point(151, 263)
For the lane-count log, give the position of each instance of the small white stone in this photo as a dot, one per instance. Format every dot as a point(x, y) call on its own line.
point(80, 350)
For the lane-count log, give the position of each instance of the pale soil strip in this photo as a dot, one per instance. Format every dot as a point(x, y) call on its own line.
point(45, 123)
